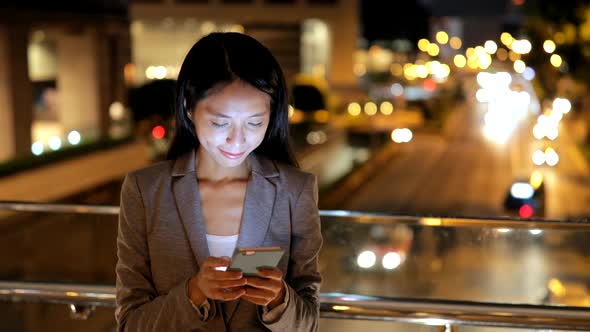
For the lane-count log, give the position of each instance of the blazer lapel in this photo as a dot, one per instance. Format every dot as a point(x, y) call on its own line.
point(188, 202)
point(257, 211)
point(258, 205)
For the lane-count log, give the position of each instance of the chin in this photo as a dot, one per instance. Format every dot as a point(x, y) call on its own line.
point(230, 163)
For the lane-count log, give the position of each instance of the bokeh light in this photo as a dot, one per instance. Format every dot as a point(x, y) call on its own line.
point(549, 46)
point(442, 37)
point(556, 60)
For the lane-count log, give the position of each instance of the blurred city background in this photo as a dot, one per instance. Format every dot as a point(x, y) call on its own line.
point(442, 123)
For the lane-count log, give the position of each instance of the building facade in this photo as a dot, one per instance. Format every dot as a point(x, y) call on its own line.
point(61, 68)
point(307, 36)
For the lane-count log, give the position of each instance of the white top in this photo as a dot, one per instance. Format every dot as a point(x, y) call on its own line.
point(222, 245)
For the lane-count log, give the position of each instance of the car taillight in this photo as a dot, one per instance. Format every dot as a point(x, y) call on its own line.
point(158, 132)
point(526, 211)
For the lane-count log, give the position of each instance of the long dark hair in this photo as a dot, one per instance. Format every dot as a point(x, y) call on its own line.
point(219, 59)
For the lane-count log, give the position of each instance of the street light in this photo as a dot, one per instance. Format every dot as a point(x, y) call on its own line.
point(455, 43)
point(433, 50)
point(490, 46)
point(442, 37)
point(556, 60)
point(506, 39)
point(519, 66)
point(423, 44)
point(549, 46)
point(459, 60)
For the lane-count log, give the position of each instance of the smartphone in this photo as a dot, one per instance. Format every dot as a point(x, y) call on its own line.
point(248, 260)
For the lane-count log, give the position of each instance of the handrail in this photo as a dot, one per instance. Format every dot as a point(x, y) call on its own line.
point(446, 312)
point(354, 216)
point(78, 294)
point(349, 306)
point(22, 206)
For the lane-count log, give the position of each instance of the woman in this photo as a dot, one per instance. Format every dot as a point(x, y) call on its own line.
point(230, 181)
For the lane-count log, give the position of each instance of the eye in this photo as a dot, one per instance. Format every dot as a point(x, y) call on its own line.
point(218, 125)
point(255, 124)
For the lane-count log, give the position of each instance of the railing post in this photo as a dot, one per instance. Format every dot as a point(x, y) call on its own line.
point(81, 312)
point(447, 328)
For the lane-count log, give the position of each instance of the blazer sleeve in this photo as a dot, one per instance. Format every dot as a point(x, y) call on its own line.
point(303, 278)
point(139, 306)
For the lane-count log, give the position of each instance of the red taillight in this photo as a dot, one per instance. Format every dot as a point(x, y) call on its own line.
point(429, 85)
point(158, 132)
point(526, 211)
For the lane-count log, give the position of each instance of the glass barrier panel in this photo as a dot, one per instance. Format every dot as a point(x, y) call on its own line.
point(348, 325)
point(420, 259)
point(58, 247)
point(29, 317)
point(426, 258)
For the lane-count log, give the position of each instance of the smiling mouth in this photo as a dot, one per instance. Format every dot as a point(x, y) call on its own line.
point(231, 155)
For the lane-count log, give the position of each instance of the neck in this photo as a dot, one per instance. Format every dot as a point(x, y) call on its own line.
point(208, 169)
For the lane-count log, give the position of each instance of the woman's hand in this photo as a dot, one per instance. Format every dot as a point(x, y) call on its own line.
point(268, 289)
point(214, 284)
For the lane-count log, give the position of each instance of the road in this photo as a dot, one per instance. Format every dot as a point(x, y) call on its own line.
point(442, 175)
point(460, 173)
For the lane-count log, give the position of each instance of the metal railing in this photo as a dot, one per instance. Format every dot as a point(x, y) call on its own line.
point(356, 217)
point(445, 314)
point(82, 300)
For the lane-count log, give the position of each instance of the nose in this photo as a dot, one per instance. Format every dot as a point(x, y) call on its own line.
point(236, 136)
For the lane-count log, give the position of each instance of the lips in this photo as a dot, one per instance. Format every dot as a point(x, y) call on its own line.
point(231, 155)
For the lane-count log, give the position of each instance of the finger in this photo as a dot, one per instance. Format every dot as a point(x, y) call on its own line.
point(255, 300)
point(260, 293)
point(271, 273)
point(234, 288)
point(262, 283)
point(228, 294)
point(228, 283)
point(222, 275)
point(213, 262)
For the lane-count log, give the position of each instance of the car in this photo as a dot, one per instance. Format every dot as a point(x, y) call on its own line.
point(526, 196)
point(386, 249)
point(312, 101)
point(312, 108)
point(152, 107)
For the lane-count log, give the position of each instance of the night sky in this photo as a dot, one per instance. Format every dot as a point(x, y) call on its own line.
point(408, 20)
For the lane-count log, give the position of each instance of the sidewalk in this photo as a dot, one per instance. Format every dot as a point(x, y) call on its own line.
point(70, 177)
point(62, 179)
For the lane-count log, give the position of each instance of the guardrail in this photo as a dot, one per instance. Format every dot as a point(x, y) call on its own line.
point(447, 315)
point(356, 217)
point(82, 300)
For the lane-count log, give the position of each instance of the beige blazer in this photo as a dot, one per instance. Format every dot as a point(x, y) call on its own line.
point(161, 243)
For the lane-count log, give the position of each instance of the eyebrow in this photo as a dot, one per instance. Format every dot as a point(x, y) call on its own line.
point(221, 115)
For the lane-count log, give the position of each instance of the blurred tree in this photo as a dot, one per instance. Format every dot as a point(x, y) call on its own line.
point(567, 23)
point(155, 98)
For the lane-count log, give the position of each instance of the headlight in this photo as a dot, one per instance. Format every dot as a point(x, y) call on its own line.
point(522, 190)
point(391, 260)
point(366, 259)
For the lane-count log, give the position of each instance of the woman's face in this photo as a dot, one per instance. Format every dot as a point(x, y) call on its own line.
point(232, 122)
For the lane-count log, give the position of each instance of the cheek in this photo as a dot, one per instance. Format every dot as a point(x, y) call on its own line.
point(255, 139)
point(260, 135)
point(210, 136)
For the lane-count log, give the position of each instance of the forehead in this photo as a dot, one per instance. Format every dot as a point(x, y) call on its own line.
point(236, 97)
